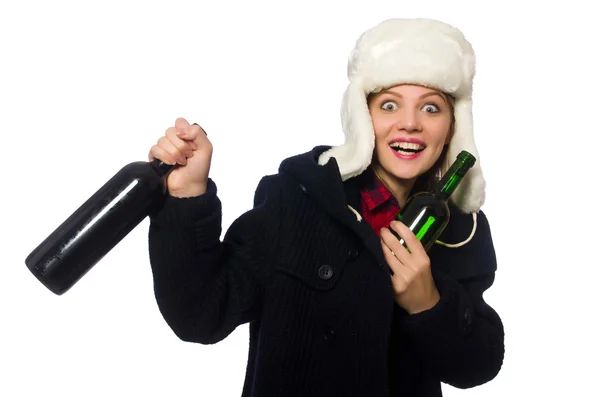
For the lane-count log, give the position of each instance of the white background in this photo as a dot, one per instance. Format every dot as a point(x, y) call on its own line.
point(87, 87)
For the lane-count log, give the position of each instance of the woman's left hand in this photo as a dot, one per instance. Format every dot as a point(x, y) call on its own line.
point(414, 288)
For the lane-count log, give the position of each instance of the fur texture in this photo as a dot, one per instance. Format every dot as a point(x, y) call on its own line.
point(410, 51)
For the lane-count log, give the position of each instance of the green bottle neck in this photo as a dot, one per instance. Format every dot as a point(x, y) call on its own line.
point(451, 179)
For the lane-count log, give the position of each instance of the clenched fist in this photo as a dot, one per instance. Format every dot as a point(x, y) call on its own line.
point(188, 147)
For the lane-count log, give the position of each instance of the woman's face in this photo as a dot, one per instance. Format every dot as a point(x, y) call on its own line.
point(412, 125)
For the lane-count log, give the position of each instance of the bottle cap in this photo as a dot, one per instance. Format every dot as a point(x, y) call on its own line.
point(467, 158)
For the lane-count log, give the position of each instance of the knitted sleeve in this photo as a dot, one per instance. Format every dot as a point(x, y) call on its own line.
point(205, 287)
point(461, 339)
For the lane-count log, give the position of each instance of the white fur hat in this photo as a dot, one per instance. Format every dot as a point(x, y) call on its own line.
point(410, 51)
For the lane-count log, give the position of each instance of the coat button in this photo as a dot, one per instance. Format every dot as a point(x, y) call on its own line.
point(353, 254)
point(325, 272)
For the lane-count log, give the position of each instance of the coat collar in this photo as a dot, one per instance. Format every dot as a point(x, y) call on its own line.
point(341, 200)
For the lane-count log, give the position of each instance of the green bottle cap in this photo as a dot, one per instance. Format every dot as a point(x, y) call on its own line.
point(467, 158)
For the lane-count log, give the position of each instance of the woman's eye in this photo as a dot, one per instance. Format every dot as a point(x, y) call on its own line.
point(388, 105)
point(431, 108)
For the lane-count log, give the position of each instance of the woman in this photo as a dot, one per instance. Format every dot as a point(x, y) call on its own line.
point(308, 266)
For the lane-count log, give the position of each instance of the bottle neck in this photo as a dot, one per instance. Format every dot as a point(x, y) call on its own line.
point(160, 167)
point(451, 179)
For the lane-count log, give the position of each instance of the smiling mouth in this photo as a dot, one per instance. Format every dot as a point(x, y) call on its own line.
point(407, 148)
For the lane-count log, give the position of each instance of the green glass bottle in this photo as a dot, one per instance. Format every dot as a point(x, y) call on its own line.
point(426, 213)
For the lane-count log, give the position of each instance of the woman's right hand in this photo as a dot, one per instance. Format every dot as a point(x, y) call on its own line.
point(188, 146)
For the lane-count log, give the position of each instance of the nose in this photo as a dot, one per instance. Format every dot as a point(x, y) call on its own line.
point(408, 120)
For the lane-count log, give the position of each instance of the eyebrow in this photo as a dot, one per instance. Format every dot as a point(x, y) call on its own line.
point(433, 93)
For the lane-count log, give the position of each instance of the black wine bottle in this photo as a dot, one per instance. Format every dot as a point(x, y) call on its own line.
point(426, 213)
point(99, 224)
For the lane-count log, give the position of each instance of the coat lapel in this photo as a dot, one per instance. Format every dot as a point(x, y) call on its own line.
point(324, 185)
point(362, 228)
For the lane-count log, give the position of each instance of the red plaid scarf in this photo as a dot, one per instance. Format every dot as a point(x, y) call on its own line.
point(379, 206)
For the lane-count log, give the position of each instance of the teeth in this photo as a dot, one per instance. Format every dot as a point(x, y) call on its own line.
point(407, 145)
point(406, 153)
